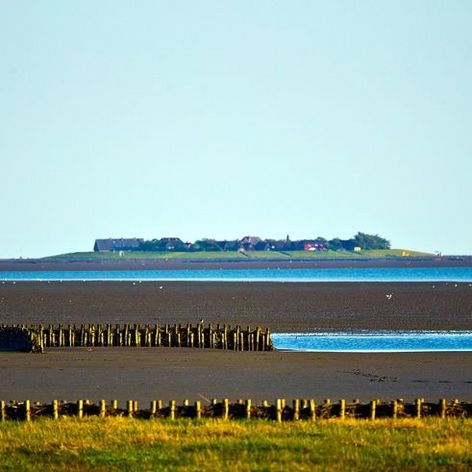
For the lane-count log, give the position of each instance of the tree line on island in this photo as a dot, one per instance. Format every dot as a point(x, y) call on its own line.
point(361, 241)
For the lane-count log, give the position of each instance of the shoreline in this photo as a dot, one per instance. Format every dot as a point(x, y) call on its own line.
point(188, 264)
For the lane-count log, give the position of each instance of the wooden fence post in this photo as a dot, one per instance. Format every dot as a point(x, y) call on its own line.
point(248, 409)
point(418, 407)
point(80, 409)
point(55, 409)
point(3, 411)
point(278, 410)
point(103, 408)
point(394, 409)
point(130, 408)
point(198, 409)
point(373, 407)
point(342, 409)
point(296, 410)
point(153, 408)
point(27, 410)
point(312, 410)
point(443, 407)
point(225, 408)
point(172, 409)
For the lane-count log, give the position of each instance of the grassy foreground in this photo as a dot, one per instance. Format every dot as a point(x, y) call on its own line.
point(128, 444)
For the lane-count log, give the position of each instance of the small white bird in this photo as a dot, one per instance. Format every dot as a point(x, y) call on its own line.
point(389, 296)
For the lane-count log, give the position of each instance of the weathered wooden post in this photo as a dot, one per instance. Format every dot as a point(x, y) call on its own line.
point(296, 409)
point(312, 410)
point(248, 409)
point(418, 407)
point(52, 340)
point(103, 408)
point(153, 408)
point(3, 411)
point(394, 409)
point(127, 335)
point(92, 334)
point(373, 408)
point(130, 408)
point(342, 409)
point(80, 409)
point(172, 409)
point(69, 336)
point(224, 340)
point(198, 409)
point(178, 340)
point(27, 410)
point(225, 408)
point(443, 407)
point(210, 336)
point(278, 410)
point(55, 409)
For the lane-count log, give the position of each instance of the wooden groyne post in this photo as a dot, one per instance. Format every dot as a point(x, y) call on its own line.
point(37, 337)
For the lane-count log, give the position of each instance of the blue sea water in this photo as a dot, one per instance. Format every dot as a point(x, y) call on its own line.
point(375, 341)
point(414, 274)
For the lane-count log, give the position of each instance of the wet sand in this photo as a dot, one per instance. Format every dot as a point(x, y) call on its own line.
point(158, 373)
point(293, 307)
point(148, 373)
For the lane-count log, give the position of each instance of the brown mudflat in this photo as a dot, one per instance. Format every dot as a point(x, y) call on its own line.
point(279, 306)
point(148, 373)
point(162, 373)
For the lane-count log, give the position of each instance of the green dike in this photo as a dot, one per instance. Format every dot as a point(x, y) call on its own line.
point(234, 255)
point(129, 444)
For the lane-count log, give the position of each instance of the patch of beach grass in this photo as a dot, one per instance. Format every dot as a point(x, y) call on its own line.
point(128, 444)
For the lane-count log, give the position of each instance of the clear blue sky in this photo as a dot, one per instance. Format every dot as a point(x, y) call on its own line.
point(227, 118)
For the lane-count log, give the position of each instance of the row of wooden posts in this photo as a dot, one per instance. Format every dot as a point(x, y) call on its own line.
point(241, 409)
point(137, 335)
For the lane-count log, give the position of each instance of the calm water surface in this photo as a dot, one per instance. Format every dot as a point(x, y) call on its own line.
point(375, 341)
point(425, 274)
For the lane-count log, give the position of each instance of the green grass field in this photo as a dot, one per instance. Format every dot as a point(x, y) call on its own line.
point(233, 255)
point(215, 445)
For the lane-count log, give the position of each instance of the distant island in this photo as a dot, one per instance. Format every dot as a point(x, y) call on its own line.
point(360, 242)
point(362, 250)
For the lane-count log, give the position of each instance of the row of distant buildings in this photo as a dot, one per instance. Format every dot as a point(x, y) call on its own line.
point(248, 243)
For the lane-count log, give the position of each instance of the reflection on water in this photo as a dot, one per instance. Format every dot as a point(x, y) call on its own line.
point(375, 341)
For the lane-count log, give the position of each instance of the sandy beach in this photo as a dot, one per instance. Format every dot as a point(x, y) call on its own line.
point(147, 373)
